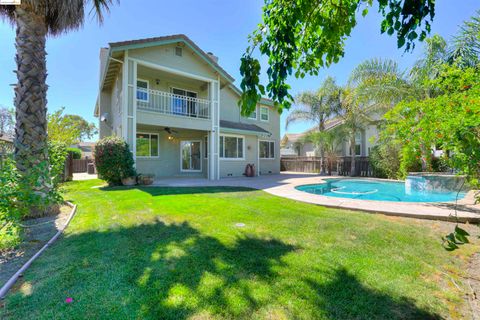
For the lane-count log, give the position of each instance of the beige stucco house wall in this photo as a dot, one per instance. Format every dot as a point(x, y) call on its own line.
point(177, 109)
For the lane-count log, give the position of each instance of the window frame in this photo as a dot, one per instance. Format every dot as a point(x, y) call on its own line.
point(256, 115)
point(268, 114)
point(269, 142)
point(201, 158)
point(148, 88)
point(149, 145)
point(223, 144)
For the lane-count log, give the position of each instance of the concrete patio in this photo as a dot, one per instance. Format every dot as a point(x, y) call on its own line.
point(283, 185)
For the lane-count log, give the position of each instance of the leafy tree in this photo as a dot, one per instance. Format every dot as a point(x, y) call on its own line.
point(7, 122)
point(450, 120)
point(299, 37)
point(69, 129)
point(34, 21)
point(317, 107)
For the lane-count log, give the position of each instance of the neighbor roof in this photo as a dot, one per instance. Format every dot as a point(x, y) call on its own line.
point(242, 126)
point(329, 124)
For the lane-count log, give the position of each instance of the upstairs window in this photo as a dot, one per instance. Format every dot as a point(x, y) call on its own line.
point(264, 114)
point(266, 149)
point(142, 90)
point(253, 115)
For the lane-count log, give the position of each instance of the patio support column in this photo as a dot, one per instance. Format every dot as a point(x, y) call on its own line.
point(214, 134)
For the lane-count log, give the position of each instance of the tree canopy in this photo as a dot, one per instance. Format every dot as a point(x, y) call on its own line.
point(301, 36)
point(69, 129)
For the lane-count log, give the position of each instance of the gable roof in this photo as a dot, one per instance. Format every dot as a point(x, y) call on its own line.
point(157, 41)
point(329, 124)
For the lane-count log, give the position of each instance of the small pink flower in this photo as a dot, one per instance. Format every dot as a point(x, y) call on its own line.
point(69, 300)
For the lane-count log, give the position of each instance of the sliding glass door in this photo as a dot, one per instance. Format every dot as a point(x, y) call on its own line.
point(190, 155)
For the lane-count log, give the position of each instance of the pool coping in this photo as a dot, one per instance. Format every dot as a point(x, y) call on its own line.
point(444, 211)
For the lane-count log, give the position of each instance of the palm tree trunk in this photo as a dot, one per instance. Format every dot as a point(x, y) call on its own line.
point(31, 154)
point(352, 155)
point(322, 156)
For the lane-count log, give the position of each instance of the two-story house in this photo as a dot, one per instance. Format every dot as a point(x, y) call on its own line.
point(177, 109)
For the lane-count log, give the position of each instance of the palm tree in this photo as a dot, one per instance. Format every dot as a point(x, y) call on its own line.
point(374, 86)
point(331, 140)
point(35, 20)
point(466, 43)
point(316, 107)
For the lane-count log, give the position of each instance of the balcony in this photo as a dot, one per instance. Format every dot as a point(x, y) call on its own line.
point(172, 104)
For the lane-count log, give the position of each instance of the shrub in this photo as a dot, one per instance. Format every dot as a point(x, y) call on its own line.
point(75, 152)
point(11, 207)
point(57, 153)
point(385, 161)
point(113, 160)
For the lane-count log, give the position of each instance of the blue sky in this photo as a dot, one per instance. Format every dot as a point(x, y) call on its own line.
point(215, 25)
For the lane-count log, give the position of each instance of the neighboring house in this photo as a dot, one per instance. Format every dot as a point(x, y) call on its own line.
point(86, 148)
point(6, 145)
point(177, 109)
point(294, 143)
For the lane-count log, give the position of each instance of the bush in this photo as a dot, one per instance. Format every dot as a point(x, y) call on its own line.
point(11, 207)
point(385, 161)
point(75, 152)
point(113, 160)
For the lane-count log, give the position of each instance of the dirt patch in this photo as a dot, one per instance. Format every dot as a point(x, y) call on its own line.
point(473, 284)
point(37, 232)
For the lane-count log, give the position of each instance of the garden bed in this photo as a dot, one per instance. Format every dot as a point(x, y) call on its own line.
point(37, 232)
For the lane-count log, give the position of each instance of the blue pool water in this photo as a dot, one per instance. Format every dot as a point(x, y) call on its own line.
point(377, 190)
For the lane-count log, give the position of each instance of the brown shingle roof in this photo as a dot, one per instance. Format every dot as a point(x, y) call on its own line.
point(242, 126)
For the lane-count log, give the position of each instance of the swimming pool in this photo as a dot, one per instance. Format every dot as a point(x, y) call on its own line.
point(377, 190)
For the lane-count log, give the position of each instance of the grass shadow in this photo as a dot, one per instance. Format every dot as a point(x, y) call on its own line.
point(162, 191)
point(345, 297)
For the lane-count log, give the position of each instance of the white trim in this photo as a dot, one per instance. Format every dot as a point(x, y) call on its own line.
point(268, 113)
point(234, 136)
point(134, 110)
point(201, 158)
point(149, 145)
point(272, 141)
point(171, 70)
point(148, 87)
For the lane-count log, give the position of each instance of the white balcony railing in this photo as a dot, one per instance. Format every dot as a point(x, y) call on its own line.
point(169, 103)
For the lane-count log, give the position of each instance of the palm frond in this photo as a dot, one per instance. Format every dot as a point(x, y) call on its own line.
point(60, 16)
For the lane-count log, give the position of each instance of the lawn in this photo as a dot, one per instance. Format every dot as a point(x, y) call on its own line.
point(177, 253)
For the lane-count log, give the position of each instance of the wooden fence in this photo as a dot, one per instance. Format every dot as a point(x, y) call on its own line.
point(341, 166)
point(80, 165)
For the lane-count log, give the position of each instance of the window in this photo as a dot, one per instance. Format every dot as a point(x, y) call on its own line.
point(264, 113)
point(358, 145)
point(178, 51)
point(206, 147)
point(147, 145)
point(184, 106)
point(231, 147)
point(253, 115)
point(266, 149)
point(142, 90)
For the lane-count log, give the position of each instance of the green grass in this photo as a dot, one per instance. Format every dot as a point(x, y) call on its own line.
point(175, 253)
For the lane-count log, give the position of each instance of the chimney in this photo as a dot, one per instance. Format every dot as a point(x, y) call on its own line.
point(214, 57)
point(103, 60)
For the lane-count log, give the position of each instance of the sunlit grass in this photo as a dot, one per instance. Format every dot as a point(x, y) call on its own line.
point(176, 253)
